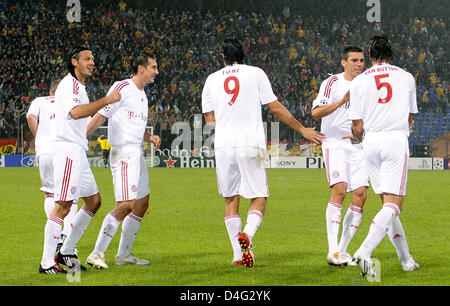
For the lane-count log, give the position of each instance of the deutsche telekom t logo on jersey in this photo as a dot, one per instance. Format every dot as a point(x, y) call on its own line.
point(141, 116)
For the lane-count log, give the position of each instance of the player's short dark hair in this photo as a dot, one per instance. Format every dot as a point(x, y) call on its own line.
point(142, 59)
point(233, 51)
point(350, 48)
point(379, 48)
point(54, 85)
point(74, 52)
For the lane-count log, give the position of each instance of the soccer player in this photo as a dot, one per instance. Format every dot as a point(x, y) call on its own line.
point(126, 131)
point(231, 100)
point(106, 147)
point(346, 170)
point(72, 175)
point(382, 107)
point(40, 117)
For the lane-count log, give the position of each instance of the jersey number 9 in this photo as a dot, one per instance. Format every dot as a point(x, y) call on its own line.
point(234, 91)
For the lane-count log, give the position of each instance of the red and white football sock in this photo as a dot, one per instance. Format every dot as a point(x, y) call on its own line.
point(380, 224)
point(352, 220)
point(397, 236)
point(107, 231)
point(254, 219)
point(233, 224)
point(52, 233)
point(130, 228)
point(79, 225)
point(333, 221)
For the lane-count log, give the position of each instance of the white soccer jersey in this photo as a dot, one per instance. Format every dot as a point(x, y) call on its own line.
point(42, 108)
point(235, 94)
point(383, 97)
point(70, 93)
point(128, 117)
point(336, 124)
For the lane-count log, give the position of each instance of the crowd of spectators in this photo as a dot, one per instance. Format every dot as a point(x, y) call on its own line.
point(297, 51)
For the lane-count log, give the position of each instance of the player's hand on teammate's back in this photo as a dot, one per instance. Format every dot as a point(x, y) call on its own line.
point(313, 135)
point(155, 140)
point(115, 96)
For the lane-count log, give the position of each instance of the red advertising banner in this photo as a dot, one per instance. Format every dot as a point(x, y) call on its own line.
point(8, 146)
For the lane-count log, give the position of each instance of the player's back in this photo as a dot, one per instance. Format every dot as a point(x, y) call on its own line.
point(42, 109)
point(235, 94)
point(384, 96)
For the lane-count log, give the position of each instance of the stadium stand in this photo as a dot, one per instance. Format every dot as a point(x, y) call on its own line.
point(296, 42)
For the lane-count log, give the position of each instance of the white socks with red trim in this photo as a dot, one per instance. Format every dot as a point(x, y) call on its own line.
point(130, 228)
point(380, 225)
point(254, 219)
point(52, 233)
point(79, 225)
point(333, 221)
point(233, 224)
point(352, 220)
point(107, 231)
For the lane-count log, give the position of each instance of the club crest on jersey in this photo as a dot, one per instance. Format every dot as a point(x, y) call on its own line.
point(335, 174)
point(323, 102)
point(76, 100)
point(73, 189)
point(134, 188)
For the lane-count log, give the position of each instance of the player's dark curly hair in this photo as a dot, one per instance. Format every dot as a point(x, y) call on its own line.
point(74, 54)
point(379, 48)
point(233, 51)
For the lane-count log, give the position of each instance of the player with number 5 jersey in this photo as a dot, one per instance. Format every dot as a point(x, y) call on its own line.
point(232, 98)
point(382, 105)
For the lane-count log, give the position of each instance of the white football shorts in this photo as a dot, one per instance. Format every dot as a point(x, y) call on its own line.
point(73, 177)
point(45, 164)
point(344, 162)
point(130, 173)
point(241, 172)
point(387, 155)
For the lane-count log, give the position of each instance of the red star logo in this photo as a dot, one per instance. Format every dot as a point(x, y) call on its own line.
point(170, 163)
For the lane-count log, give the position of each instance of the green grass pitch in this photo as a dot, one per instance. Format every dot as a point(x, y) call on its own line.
point(184, 235)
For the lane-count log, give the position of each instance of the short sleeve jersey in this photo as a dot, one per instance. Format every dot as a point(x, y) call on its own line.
point(383, 97)
point(127, 118)
point(42, 109)
point(235, 94)
point(69, 94)
point(336, 124)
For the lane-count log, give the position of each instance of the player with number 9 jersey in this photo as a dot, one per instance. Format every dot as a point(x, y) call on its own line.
point(235, 94)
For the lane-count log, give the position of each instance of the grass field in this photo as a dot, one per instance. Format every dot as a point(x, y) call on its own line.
point(184, 236)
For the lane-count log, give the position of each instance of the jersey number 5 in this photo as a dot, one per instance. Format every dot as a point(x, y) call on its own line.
point(234, 91)
point(384, 84)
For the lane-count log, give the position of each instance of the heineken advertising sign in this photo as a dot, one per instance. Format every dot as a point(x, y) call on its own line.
point(170, 161)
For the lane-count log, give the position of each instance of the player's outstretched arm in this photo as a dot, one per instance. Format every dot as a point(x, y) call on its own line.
point(94, 123)
point(321, 111)
point(85, 110)
point(286, 117)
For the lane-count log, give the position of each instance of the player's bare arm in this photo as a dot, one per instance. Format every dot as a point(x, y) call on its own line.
point(410, 119)
point(286, 117)
point(357, 129)
point(210, 119)
point(155, 139)
point(85, 110)
point(94, 123)
point(321, 111)
point(33, 124)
